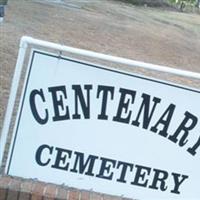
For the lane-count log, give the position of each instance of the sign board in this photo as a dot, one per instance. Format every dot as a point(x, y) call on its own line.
point(114, 132)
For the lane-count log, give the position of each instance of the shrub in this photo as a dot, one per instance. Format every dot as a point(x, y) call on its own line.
point(151, 3)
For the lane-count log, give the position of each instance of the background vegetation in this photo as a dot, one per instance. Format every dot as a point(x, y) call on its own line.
point(165, 3)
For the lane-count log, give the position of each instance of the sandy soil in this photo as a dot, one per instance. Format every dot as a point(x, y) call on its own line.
point(107, 26)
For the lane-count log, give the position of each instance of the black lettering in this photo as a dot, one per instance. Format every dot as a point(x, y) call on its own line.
point(34, 109)
point(124, 169)
point(79, 97)
point(164, 120)
point(193, 149)
point(105, 90)
point(145, 108)
point(61, 156)
point(104, 171)
point(178, 182)
point(140, 175)
point(124, 104)
point(80, 165)
point(58, 93)
point(159, 176)
point(184, 128)
point(39, 152)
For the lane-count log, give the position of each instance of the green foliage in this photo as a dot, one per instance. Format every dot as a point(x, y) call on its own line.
point(3, 2)
point(186, 1)
point(177, 4)
point(153, 3)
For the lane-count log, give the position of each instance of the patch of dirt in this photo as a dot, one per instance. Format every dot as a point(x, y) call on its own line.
point(112, 27)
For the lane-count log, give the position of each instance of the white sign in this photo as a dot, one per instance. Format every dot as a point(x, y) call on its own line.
point(96, 128)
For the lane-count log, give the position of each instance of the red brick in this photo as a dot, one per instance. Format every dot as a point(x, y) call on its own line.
point(13, 190)
point(61, 193)
point(15, 184)
point(26, 186)
point(73, 194)
point(18, 189)
point(4, 185)
point(12, 195)
point(36, 197)
point(25, 190)
point(37, 191)
point(4, 182)
point(3, 194)
point(24, 196)
point(85, 195)
point(50, 192)
point(96, 196)
point(110, 197)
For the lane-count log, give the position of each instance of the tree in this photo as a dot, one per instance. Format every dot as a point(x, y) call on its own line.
point(3, 2)
point(198, 3)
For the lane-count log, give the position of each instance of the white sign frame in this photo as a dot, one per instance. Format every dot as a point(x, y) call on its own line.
point(25, 41)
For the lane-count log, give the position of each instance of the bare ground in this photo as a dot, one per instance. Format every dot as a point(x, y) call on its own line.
point(151, 35)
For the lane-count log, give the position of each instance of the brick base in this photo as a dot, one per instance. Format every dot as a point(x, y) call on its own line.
point(12, 188)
